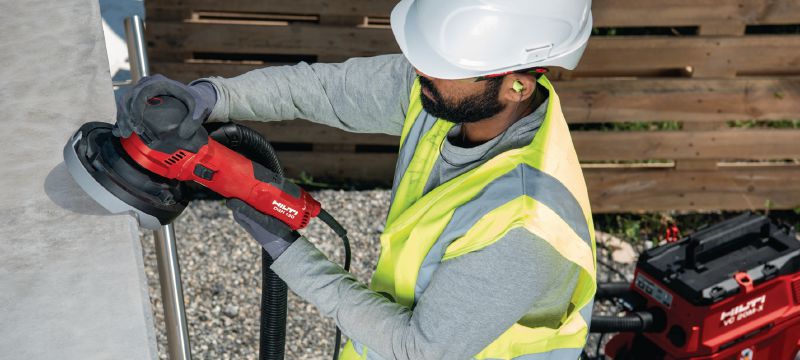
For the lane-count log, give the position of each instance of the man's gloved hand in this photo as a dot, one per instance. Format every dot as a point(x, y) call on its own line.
point(273, 235)
point(130, 106)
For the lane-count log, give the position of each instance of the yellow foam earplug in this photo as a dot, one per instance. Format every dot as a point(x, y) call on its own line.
point(518, 87)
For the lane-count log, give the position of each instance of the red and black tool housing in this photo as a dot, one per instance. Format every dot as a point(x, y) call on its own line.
point(160, 148)
point(730, 291)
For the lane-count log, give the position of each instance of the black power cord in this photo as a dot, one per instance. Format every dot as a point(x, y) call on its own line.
point(339, 230)
point(599, 345)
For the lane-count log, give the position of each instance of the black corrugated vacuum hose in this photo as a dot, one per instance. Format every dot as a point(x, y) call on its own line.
point(637, 321)
point(273, 290)
point(612, 290)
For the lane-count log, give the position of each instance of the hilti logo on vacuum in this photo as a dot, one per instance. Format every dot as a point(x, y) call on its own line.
point(283, 209)
point(743, 311)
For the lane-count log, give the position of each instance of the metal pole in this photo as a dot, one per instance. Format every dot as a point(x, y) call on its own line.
point(169, 271)
point(169, 276)
point(137, 51)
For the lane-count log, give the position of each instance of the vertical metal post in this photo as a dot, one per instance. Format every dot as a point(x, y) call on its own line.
point(169, 271)
point(137, 51)
point(169, 276)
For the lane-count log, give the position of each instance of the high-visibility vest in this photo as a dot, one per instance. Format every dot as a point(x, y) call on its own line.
point(538, 187)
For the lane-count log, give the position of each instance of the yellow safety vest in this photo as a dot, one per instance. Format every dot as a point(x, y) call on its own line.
point(539, 187)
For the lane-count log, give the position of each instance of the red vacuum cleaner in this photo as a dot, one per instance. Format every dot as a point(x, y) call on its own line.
point(729, 291)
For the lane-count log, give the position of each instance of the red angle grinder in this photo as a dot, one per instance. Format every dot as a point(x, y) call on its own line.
point(729, 291)
point(155, 173)
point(147, 174)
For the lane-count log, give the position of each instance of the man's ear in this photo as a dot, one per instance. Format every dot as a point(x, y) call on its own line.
point(518, 87)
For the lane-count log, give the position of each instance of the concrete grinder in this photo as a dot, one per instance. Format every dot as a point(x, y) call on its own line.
point(154, 174)
point(146, 173)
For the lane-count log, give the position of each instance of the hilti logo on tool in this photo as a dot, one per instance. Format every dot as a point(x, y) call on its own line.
point(743, 311)
point(283, 209)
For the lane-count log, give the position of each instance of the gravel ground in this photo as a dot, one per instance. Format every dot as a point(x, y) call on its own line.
point(221, 277)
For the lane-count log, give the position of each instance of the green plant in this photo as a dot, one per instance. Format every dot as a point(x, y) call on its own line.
point(629, 126)
point(633, 228)
point(772, 124)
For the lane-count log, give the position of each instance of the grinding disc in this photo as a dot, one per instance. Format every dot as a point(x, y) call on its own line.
point(101, 167)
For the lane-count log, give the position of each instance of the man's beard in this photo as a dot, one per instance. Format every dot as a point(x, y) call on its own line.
point(470, 109)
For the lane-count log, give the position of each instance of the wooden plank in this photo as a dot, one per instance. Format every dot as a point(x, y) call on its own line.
point(693, 12)
point(343, 20)
point(607, 13)
point(615, 190)
point(302, 131)
point(687, 100)
point(759, 144)
point(333, 148)
point(722, 27)
point(240, 18)
point(604, 55)
point(712, 71)
point(713, 128)
point(186, 72)
point(341, 167)
point(592, 145)
point(610, 190)
point(621, 100)
point(299, 39)
point(321, 7)
point(629, 54)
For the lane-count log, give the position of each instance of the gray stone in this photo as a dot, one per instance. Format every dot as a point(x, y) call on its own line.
point(231, 311)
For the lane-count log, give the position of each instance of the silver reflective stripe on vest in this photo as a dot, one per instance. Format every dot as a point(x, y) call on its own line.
point(565, 354)
point(422, 124)
point(586, 313)
point(524, 179)
point(371, 355)
point(358, 347)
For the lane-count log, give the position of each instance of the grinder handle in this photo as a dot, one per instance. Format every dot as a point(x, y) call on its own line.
point(233, 175)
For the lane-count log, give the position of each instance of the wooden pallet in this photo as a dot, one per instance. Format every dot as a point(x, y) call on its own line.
point(705, 65)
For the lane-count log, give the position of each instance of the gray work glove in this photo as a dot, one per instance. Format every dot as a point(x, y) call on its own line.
point(199, 99)
point(273, 235)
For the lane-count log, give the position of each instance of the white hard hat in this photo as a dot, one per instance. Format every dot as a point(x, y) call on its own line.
point(458, 39)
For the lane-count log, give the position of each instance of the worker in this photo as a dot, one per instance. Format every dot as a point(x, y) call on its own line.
point(488, 247)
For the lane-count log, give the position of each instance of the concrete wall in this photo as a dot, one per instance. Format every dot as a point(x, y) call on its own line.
point(72, 284)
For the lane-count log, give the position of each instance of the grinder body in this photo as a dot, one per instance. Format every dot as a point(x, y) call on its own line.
point(146, 173)
point(230, 175)
point(199, 158)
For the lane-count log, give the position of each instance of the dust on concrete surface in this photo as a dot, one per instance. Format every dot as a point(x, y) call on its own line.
point(221, 265)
